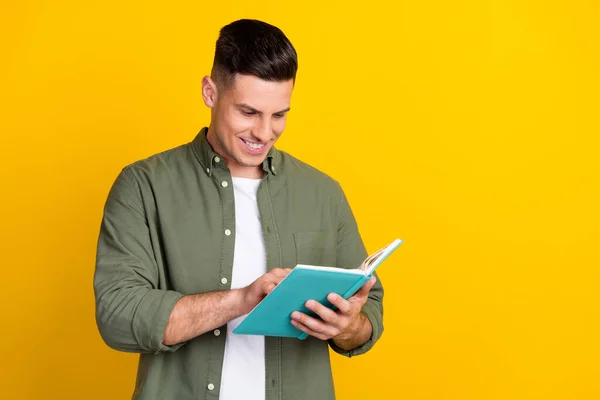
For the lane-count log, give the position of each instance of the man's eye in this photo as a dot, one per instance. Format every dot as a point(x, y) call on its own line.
point(248, 113)
point(278, 115)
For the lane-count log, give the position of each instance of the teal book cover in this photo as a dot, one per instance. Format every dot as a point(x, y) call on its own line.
point(272, 316)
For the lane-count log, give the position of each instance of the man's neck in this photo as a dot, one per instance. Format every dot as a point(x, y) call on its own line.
point(236, 170)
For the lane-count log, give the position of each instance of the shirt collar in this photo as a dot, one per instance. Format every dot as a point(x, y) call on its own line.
point(209, 159)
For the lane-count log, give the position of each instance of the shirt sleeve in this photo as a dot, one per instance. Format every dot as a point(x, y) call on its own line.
point(351, 252)
point(131, 312)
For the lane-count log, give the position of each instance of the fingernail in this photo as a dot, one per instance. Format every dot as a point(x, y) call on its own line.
point(295, 315)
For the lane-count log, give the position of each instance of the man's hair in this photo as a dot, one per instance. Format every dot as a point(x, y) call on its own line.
point(252, 47)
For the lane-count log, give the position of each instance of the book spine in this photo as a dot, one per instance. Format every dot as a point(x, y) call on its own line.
point(361, 281)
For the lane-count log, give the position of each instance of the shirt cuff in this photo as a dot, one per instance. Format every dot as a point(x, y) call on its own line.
point(151, 319)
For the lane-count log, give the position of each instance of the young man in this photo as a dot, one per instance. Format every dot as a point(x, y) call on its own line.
point(194, 237)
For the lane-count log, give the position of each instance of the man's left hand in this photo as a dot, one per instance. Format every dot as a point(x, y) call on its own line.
point(341, 324)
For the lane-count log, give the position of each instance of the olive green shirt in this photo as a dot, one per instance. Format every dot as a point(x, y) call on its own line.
point(168, 230)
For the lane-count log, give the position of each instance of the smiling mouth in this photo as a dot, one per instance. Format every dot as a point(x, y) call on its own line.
point(253, 146)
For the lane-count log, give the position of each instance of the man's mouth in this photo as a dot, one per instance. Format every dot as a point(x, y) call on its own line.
point(253, 147)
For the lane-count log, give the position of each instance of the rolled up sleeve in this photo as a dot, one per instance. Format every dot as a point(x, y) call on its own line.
point(132, 313)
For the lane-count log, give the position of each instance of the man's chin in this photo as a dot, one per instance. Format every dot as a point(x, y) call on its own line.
point(251, 165)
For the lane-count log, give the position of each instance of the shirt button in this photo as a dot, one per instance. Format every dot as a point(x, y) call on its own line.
point(217, 159)
point(211, 386)
point(217, 332)
point(208, 170)
point(223, 281)
point(224, 183)
point(227, 232)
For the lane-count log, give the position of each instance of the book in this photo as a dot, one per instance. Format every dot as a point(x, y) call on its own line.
point(273, 315)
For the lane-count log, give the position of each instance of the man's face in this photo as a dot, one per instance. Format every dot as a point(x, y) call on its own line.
point(247, 119)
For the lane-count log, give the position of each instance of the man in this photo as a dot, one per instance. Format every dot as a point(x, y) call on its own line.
point(194, 237)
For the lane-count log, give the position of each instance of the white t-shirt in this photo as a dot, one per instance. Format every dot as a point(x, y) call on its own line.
point(243, 375)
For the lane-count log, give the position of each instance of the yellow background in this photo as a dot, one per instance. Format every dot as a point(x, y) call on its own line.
point(468, 128)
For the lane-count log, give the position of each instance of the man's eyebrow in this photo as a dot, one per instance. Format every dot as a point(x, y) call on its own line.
point(282, 111)
point(244, 105)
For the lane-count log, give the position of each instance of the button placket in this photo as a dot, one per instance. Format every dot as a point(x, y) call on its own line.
point(223, 186)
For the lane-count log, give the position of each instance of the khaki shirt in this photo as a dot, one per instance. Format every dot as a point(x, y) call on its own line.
point(168, 230)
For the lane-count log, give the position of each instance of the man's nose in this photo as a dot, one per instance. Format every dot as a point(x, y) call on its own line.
point(263, 130)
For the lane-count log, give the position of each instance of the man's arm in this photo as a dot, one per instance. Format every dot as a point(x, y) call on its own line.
point(132, 314)
point(199, 313)
point(196, 314)
point(358, 323)
point(351, 253)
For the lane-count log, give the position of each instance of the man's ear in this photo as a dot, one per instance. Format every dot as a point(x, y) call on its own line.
point(209, 92)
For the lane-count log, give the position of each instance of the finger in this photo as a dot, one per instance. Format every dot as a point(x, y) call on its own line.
point(342, 304)
point(326, 314)
point(286, 272)
point(268, 287)
point(363, 292)
point(278, 272)
point(314, 324)
point(306, 329)
point(270, 277)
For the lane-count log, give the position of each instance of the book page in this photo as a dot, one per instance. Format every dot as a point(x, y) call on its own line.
point(369, 261)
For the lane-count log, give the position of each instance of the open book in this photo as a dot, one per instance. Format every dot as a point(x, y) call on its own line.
point(272, 316)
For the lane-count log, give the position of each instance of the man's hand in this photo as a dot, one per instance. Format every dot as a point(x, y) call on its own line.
point(347, 326)
point(253, 294)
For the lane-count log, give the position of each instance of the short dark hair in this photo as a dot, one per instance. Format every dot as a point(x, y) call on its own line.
point(252, 47)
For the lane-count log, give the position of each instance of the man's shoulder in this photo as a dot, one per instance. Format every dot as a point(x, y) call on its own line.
point(300, 172)
point(173, 160)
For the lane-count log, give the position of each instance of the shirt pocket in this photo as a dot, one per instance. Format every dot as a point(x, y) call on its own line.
point(316, 248)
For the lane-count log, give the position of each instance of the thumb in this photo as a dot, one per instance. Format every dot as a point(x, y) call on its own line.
point(366, 288)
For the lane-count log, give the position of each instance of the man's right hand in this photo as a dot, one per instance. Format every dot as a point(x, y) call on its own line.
point(255, 292)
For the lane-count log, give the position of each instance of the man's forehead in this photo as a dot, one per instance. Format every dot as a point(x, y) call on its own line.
point(255, 91)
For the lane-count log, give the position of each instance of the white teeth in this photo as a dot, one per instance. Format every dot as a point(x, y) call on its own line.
point(254, 145)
